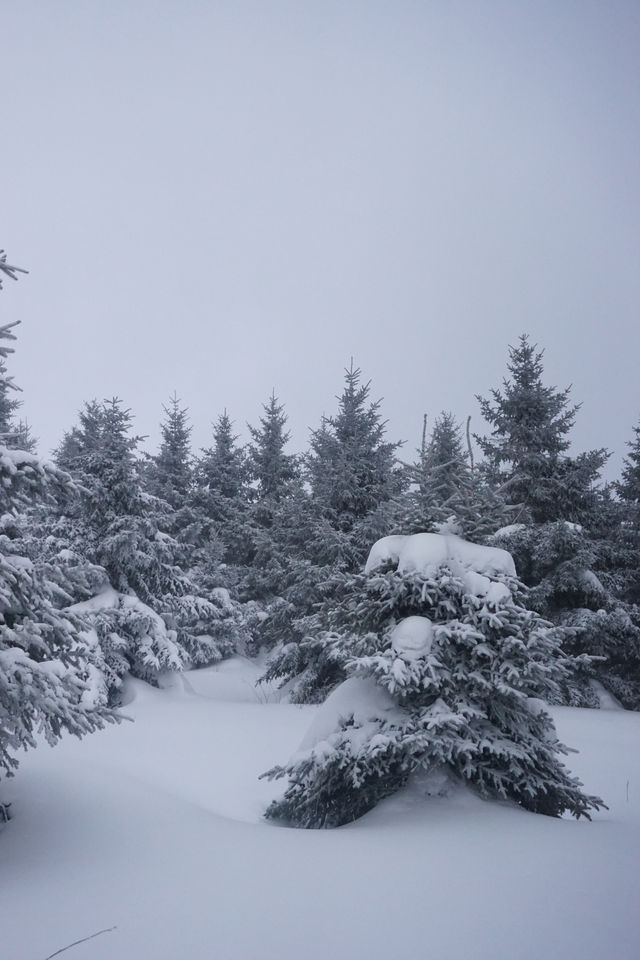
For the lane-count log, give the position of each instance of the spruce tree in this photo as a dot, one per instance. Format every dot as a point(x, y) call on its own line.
point(445, 492)
point(153, 614)
point(8, 403)
point(221, 499)
point(45, 662)
point(628, 488)
point(170, 472)
point(352, 475)
point(222, 469)
point(118, 548)
point(351, 466)
point(562, 540)
point(273, 471)
point(530, 424)
point(448, 671)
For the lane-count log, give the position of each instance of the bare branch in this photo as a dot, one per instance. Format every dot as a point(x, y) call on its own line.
point(76, 942)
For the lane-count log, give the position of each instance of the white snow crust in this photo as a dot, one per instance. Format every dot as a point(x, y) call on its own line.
point(386, 550)
point(358, 697)
point(509, 530)
point(412, 638)
point(155, 827)
point(427, 553)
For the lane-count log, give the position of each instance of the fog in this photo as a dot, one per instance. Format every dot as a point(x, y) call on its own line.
point(222, 199)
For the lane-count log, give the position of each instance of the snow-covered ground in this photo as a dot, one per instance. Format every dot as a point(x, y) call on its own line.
point(155, 827)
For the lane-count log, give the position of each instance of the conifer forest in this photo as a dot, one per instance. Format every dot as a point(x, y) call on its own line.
point(320, 481)
point(437, 603)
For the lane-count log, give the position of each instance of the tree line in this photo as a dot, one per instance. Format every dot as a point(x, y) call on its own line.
point(114, 562)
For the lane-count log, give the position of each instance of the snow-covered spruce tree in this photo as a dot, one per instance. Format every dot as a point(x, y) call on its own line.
point(8, 405)
point(629, 486)
point(272, 469)
point(148, 614)
point(221, 504)
point(628, 528)
point(559, 539)
point(169, 473)
point(353, 476)
point(351, 467)
point(449, 672)
point(445, 492)
point(530, 423)
point(46, 675)
point(13, 434)
point(274, 519)
point(299, 553)
point(614, 628)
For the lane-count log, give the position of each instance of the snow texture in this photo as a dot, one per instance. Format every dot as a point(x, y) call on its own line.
point(358, 697)
point(427, 553)
point(412, 638)
point(155, 827)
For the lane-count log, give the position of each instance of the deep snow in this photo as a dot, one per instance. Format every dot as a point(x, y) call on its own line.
point(155, 827)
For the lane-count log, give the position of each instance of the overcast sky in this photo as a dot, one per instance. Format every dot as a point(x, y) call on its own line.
point(225, 198)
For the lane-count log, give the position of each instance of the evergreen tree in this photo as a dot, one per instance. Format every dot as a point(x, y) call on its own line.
point(445, 493)
point(448, 670)
point(8, 403)
point(156, 616)
point(563, 543)
point(353, 477)
point(530, 426)
point(626, 527)
point(628, 488)
point(13, 434)
point(24, 439)
point(351, 467)
point(221, 502)
point(45, 664)
point(82, 441)
point(118, 548)
point(269, 525)
point(273, 470)
point(222, 468)
point(170, 472)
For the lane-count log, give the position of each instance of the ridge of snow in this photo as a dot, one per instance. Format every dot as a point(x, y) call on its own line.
point(426, 553)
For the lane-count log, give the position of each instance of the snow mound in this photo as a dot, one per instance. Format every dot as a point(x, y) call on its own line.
point(107, 599)
point(386, 550)
point(358, 697)
point(412, 638)
point(477, 585)
point(427, 553)
point(509, 530)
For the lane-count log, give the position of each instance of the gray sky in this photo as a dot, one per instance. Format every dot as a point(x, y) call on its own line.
point(222, 198)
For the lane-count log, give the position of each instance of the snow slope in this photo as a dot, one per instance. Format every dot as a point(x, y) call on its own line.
point(155, 827)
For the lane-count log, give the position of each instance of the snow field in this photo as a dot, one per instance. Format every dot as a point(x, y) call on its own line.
point(155, 827)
